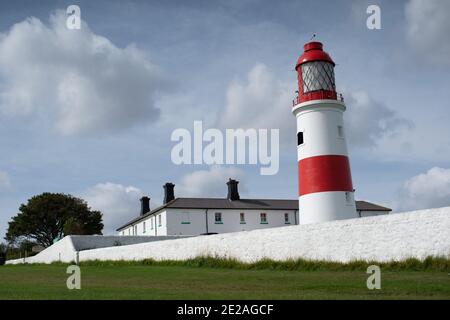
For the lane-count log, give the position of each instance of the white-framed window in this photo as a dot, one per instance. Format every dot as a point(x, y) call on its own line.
point(286, 218)
point(185, 218)
point(135, 230)
point(159, 221)
point(263, 217)
point(242, 217)
point(218, 217)
point(143, 227)
point(151, 223)
point(129, 231)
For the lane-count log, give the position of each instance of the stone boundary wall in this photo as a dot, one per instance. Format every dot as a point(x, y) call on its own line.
point(399, 236)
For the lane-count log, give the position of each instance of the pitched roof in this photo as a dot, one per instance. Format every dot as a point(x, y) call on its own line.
point(255, 204)
point(368, 206)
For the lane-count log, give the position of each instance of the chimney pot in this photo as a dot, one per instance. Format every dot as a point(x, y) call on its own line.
point(169, 193)
point(145, 205)
point(233, 192)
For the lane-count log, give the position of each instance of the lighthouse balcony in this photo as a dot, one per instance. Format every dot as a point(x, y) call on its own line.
point(318, 95)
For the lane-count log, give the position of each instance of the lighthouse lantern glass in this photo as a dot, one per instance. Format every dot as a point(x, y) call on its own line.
point(318, 75)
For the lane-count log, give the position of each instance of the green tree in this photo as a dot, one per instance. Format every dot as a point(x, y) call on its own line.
point(3, 248)
point(51, 216)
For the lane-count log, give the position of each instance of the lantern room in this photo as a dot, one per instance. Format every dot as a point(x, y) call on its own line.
point(315, 72)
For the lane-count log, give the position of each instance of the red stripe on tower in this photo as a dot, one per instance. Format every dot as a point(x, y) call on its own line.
point(324, 173)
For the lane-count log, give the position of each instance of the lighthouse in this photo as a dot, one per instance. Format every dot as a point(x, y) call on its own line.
point(325, 184)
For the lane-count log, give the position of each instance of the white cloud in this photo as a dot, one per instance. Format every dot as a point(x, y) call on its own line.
point(428, 28)
point(265, 102)
point(262, 101)
point(367, 121)
point(118, 203)
point(5, 182)
point(78, 80)
point(208, 183)
point(426, 190)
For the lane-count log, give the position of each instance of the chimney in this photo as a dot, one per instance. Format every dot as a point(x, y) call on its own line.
point(233, 193)
point(145, 205)
point(169, 194)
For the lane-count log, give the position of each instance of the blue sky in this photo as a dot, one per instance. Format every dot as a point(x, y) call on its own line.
point(90, 112)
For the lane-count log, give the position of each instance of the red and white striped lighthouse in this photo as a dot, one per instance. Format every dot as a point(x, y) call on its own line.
point(325, 183)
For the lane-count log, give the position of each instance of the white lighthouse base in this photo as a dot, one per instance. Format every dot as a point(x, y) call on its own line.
point(326, 206)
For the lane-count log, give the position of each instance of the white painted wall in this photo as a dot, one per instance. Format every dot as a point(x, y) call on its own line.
point(66, 249)
point(148, 227)
point(193, 221)
point(231, 220)
point(63, 250)
point(381, 238)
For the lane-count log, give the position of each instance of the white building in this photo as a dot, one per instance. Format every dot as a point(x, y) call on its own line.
point(194, 216)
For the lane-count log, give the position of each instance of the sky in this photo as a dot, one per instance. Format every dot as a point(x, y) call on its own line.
point(90, 112)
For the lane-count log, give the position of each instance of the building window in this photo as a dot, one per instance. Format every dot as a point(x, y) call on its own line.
point(218, 218)
point(143, 227)
point(159, 221)
point(186, 219)
point(129, 231)
point(340, 132)
point(151, 223)
point(300, 138)
point(263, 218)
point(286, 218)
point(242, 217)
point(135, 230)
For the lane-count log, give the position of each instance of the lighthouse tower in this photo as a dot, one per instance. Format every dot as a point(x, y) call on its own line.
point(325, 183)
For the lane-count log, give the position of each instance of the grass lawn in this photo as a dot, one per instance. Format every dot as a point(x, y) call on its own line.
point(185, 282)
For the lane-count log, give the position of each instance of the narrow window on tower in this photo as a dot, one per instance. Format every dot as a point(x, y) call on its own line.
point(300, 138)
point(348, 198)
point(340, 132)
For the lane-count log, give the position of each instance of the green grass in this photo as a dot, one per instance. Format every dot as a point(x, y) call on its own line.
point(210, 278)
point(428, 264)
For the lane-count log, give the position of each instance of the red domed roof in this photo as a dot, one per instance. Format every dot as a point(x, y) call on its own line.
point(313, 52)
